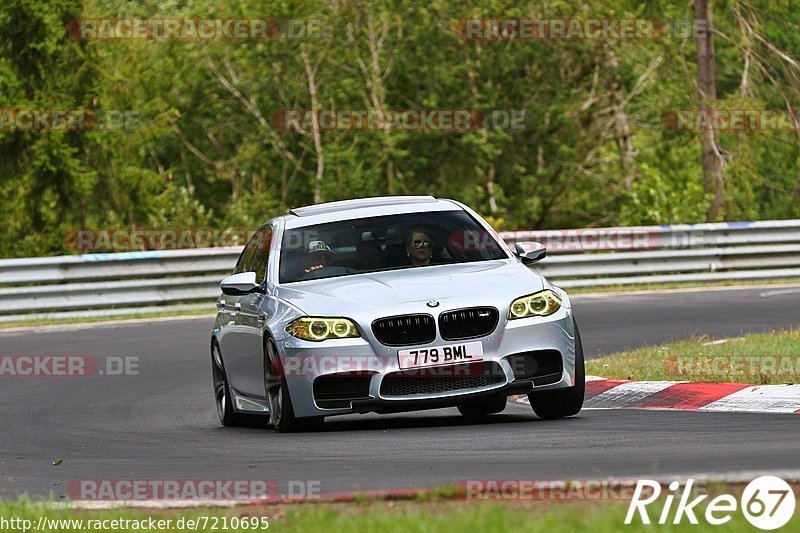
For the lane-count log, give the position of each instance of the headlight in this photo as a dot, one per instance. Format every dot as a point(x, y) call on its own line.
point(542, 303)
point(320, 329)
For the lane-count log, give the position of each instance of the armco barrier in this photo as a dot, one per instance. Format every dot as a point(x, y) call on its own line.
point(126, 283)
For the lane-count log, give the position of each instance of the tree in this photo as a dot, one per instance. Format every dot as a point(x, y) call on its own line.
point(712, 159)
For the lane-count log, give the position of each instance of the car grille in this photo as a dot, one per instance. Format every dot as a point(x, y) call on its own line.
point(542, 366)
point(335, 391)
point(468, 323)
point(405, 330)
point(434, 380)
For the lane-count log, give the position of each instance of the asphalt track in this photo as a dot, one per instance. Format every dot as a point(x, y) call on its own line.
point(161, 423)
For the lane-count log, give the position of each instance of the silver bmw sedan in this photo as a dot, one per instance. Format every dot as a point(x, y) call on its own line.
point(389, 304)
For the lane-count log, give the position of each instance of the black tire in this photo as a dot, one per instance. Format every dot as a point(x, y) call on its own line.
point(228, 417)
point(281, 412)
point(486, 406)
point(564, 402)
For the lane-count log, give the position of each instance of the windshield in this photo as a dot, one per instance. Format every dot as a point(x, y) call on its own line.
point(411, 240)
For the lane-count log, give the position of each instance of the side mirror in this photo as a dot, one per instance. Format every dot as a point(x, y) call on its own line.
point(530, 251)
point(240, 284)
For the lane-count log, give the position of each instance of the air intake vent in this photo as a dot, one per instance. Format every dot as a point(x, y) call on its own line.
point(335, 391)
point(542, 366)
point(442, 379)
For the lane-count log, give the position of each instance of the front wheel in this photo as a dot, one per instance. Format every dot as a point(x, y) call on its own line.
point(563, 402)
point(281, 412)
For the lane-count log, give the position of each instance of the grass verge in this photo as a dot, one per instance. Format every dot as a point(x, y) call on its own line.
point(383, 516)
point(789, 282)
point(762, 358)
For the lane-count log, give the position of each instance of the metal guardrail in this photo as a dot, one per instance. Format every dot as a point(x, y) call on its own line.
point(134, 282)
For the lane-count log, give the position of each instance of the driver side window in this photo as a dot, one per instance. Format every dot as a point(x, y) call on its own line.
point(261, 259)
point(246, 259)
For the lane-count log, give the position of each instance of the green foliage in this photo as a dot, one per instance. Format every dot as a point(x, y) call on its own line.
point(206, 152)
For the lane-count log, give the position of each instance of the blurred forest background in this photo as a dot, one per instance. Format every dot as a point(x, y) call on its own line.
point(205, 153)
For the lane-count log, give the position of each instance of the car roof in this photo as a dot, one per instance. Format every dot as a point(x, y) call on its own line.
point(365, 207)
point(356, 203)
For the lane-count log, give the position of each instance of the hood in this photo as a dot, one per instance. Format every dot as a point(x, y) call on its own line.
point(477, 283)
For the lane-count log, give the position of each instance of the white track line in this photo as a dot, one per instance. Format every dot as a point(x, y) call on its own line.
point(145, 504)
point(777, 293)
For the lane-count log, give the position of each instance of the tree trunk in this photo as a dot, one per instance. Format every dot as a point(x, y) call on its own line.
point(622, 130)
point(488, 174)
point(312, 90)
point(707, 94)
point(374, 75)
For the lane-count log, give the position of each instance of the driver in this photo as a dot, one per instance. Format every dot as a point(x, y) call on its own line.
point(319, 256)
point(419, 246)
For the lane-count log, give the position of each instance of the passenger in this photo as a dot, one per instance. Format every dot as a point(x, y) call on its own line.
point(419, 247)
point(319, 256)
point(369, 255)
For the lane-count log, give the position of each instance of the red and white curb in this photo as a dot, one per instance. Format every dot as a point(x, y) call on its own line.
point(602, 393)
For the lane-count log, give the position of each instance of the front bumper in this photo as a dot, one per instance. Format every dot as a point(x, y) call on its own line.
point(306, 361)
point(381, 405)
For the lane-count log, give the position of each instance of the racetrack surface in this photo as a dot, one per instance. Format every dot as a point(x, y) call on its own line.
point(613, 322)
point(161, 423)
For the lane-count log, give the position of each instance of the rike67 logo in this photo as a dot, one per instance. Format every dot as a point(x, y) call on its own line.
point(767, 502)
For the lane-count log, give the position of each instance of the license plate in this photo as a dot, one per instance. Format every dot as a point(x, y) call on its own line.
point(441, 355)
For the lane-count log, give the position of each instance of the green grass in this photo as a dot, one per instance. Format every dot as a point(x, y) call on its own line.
point(404, 516)
point(766, 358)
point(682, 285)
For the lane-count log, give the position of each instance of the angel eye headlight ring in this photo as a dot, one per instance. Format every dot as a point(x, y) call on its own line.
point(542, 303)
